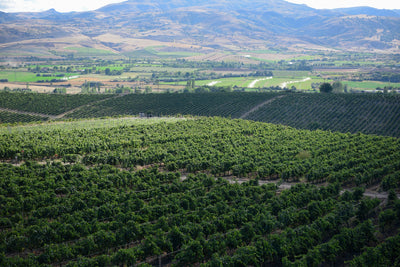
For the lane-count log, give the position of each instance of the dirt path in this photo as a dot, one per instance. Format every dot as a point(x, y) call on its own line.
point(245, 115)
point(253, 83)
point(285, 185)
point(59, 116)
point(213, 83)
point(87, 105)
point(281, 186)
point(28, 113)
point(285, 84)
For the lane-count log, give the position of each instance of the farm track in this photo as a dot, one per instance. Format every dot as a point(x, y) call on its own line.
point(286, 185)
point(253, 83)
point(245, 115)
point(285, 84)
point(59, 116)
point(87, 105)
point(371, 193)
point(28, 113)
point(213, 83)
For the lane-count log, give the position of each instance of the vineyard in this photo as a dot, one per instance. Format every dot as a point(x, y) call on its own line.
point(46, 104)
point(366, 113)
point(371, 114)
point(11, 117)
point(213, 104)
point(190, 191)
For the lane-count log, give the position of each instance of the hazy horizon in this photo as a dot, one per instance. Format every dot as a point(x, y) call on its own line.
point(75, 5)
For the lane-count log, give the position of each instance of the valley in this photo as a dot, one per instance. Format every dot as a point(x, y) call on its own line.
point(190, 133)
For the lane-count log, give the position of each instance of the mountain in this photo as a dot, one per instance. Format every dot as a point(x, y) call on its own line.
point(5, 17)
point(222, 5)
point(370, 11)
point(235, 24)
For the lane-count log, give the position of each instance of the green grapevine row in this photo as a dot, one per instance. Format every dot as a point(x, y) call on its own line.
point(370, 114)
point(217, 146)
point(65, 214)
point(367, 113)
point(49, 104)
point(207, 104)
point(130, 192)
point(10, 117)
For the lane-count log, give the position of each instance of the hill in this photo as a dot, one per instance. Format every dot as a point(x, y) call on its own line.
point(210, 191)
point(369, 11)
point(212, 24)
point(367, 113)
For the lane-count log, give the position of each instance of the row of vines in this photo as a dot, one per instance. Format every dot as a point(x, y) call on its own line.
point(11, 117)
point(202, 104)
point(367, 113)
point(371, 114)
point(217, 146)
point(142, 192)
point(47, 104)
point(69, 215)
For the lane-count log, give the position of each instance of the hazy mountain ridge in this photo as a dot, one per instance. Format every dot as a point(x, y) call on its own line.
point(241, 23)
point(369, 11)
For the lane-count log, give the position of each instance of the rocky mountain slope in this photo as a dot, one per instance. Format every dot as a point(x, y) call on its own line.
point(227, 24)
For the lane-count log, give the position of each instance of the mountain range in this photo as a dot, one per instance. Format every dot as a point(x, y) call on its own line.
point(195, 24)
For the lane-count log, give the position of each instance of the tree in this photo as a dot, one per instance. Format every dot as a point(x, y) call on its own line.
point(338, 87)
point(190, 85)
point(325, 88)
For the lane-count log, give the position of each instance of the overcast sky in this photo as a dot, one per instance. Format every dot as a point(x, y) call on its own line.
point(80, 5)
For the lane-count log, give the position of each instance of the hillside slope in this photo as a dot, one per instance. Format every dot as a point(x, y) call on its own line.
point(190, 192)
point(224, 24)
point(371, 114)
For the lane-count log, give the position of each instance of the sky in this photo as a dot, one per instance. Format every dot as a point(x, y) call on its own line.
point(84, 5)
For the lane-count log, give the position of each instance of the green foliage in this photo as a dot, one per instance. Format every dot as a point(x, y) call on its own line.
point(385, 254)
point(258, 149)
point(338, 87)
point(60, 91)
point(325, 88)
point(10, 117)
point(370, 113)
point(212, 104)
point(111, 211)
point(49, 104)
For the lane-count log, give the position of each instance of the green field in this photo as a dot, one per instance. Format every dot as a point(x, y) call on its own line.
point(369, 85)
point(244, 82)
point(239, 81)
point(24, 76)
